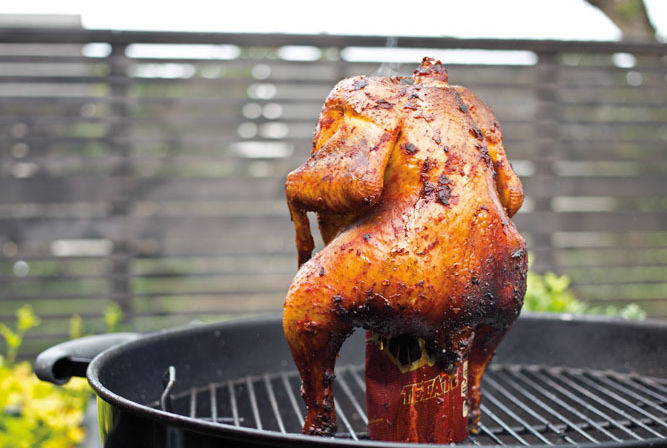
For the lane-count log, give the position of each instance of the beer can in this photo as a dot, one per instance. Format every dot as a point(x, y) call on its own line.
point(409, 397)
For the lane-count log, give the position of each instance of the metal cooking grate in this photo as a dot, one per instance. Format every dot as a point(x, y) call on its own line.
point(527, 405)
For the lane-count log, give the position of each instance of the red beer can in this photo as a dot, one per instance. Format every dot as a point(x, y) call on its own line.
point(409, 398)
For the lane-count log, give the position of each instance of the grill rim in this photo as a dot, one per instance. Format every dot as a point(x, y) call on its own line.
point(264, 437)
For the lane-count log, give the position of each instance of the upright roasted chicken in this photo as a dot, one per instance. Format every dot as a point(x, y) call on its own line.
point(414, 195)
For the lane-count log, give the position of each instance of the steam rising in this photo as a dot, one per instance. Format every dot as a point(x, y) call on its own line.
point(388, 69)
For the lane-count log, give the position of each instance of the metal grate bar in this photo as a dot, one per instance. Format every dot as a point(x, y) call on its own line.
point(608, 405)
point(341, 415)
point(253, 402)
point(486, 411)
point(626, 382)
point(214, 403)
point(652, 383)
point(490, 397)
point(348, 393)
point(527, 408)
point(357, 379)
point(233, 404)
point(292, 398)
point(635, 396)
point(589, 407)
point(487, 432)
point(193, 402)
point(561, 403)
point(274, 403)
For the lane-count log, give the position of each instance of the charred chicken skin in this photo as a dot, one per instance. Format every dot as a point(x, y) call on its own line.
point(413, 194)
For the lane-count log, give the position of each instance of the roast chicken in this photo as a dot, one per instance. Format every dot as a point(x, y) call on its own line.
point(413, 194)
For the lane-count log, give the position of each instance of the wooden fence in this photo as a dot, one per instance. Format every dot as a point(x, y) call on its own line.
point(147, 169)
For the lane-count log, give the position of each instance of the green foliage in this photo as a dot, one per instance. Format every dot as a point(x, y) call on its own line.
point(25, 320)
point(33, 413)
point(75, 327)
point(552, 294)
point(630, 311)
point(113, 316)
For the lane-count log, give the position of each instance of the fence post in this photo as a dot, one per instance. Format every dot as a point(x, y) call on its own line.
point(546, 137)
point(118, 137)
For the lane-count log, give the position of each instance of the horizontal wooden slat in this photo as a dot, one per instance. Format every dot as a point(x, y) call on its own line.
point(91, 189)
point(187, 117)
point(592, 68)
point(88, 189)
point(114, 227)
point(199, 312)
point(600, 84)
point(59, 35)
point(550, 186)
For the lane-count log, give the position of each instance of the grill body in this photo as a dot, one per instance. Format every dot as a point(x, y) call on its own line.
point(555, 380)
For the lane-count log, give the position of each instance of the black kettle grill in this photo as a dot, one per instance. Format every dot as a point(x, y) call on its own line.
point(556, 380)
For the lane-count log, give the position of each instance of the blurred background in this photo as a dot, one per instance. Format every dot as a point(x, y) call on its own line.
point(143, 147)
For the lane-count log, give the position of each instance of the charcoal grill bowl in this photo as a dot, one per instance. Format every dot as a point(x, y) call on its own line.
point(126, 377)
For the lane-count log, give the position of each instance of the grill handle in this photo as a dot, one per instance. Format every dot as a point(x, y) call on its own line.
point(63, 361)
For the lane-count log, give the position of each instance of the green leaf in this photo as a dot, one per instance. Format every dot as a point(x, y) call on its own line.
point(75, 327)
point(26, 319)
point(632, 311)
point(113, 316)
point(12, 339)
point(555, 283)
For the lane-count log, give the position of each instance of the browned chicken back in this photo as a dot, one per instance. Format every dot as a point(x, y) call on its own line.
point(414, 195)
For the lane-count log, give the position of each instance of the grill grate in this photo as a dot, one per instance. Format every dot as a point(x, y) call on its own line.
point(527, 405)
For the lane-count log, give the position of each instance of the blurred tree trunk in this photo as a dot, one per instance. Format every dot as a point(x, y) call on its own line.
point(629, 16)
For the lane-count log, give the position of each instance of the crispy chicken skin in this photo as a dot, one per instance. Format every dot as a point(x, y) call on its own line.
point(414, 194)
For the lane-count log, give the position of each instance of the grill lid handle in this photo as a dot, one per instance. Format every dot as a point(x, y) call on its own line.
point(63, 361)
